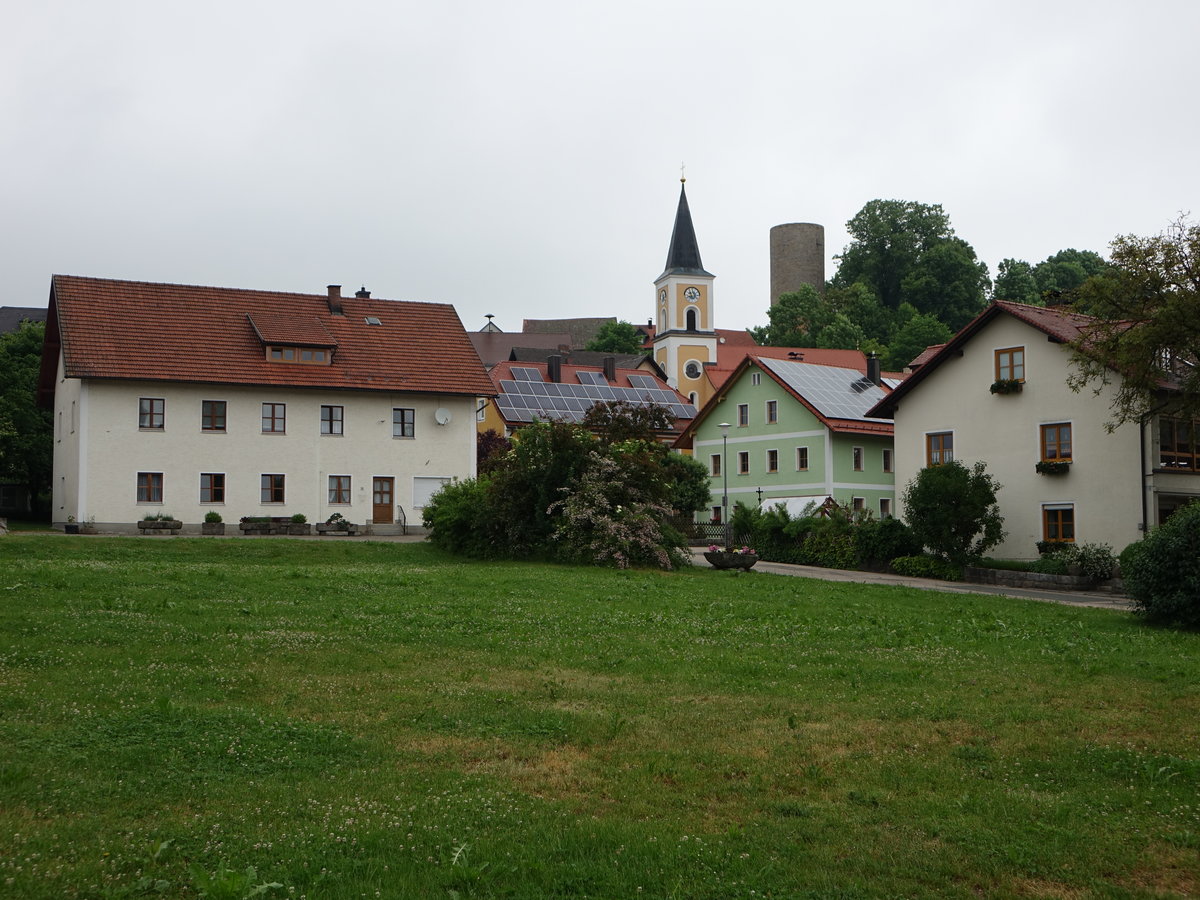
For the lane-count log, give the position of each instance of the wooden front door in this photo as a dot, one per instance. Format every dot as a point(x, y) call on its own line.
point(382, 500)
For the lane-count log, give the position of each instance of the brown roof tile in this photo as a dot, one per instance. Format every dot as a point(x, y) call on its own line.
point(171, 332)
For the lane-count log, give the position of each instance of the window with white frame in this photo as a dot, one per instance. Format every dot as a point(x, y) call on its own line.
point(772, 412)
point(772, 460)
point(801, 459)
point(743, 462)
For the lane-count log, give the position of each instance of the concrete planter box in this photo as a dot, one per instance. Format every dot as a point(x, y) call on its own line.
point(212, 527)
point(331, 531)
point(1032, 580)
point(159, 526)
point(298, 528)
point(256, 527)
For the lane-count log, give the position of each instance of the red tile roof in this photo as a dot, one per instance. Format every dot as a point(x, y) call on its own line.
point(172, 332)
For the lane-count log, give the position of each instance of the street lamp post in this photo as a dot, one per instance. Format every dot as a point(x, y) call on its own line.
point(724, 426)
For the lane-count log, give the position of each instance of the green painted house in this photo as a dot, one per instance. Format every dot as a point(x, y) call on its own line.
point(797, 434)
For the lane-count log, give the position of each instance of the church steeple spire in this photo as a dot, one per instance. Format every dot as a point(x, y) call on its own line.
point(683, 257)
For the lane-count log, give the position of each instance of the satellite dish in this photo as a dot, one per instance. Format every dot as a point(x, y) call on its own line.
point(442, 416)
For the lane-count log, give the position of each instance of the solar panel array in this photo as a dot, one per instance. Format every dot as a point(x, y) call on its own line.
point(525, 401)
point(835, 392)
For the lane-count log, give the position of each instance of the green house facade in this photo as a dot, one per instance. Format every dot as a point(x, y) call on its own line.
point(797, 435)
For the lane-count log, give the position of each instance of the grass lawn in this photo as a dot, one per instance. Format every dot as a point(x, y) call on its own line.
point(355, 719)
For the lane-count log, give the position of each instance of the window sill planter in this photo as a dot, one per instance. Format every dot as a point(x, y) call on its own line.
point(1006, 386)
point(1057, 467)
point(159, 526)
point(729, 559)
point(212, 527)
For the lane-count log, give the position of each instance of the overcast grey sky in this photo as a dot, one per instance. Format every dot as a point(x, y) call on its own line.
point(522, 157)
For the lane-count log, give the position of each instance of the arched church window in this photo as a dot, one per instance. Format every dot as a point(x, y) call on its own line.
point(692, 319)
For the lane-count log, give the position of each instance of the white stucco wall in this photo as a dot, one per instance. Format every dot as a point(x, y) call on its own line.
point(96, 466)
point(1105, 479)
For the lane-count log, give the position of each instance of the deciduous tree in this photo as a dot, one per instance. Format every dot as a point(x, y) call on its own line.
point(1146, 337)
point(616, 337)
point(26, 431)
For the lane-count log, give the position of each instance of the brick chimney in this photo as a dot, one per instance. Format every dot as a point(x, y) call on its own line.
point(554, 368)
point(335, 299)
point(610, 368)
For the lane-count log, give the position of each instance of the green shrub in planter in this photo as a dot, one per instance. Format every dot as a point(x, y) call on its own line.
point(299, 519)
point(212, 517)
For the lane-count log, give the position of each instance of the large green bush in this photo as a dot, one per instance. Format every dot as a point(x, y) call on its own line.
point(1163, 574)
point(558, 492)
point(457, 518)
point(952, 511)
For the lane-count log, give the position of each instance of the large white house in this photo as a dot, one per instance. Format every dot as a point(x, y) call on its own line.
point(183, 399)
point(1065, 477)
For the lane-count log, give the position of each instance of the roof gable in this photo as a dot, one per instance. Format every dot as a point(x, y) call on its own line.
point(1060, 325)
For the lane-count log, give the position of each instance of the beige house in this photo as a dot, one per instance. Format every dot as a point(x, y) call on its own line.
point(185, 400)
point(997, 392)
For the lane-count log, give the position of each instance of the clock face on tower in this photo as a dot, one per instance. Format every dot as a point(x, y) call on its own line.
point(691, 295)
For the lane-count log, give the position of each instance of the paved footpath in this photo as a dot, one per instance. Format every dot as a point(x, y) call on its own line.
point(1070, 598)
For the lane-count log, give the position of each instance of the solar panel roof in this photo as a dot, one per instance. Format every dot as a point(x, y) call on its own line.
point(524, 401)
point(837, 393)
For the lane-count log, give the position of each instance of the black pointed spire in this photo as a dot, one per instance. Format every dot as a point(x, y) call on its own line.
point(684, 256)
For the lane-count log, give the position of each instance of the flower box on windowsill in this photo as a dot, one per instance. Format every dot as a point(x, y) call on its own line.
point(1006, 386)
point(1053, 467)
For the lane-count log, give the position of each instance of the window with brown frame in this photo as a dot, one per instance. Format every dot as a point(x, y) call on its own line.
point(272, 489)
point(743, 462)
point(404, 422)
point(939, 448)
point(212, 487)
point(151, 413)
point(306, 355)
point(856, 456)
point(772, 412)
point(887, 459)
point(1056, 442)
point(339, 488)
point(743, 412)
point(715, 461)
point(212, 415)
point(772, 460)
point(274, 418)
point(1010, 364)
point(885, 507)
point(331, 419)
point(149, 487)
point(801, 459)
point(1058, 523)
point(1179, 444)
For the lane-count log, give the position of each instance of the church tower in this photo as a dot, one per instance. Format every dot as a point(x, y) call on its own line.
point(685, 338)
